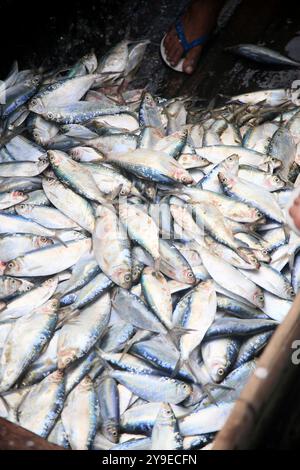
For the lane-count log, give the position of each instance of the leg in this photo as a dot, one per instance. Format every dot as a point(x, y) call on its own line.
point(200, 18)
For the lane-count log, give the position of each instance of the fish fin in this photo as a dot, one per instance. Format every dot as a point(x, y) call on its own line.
point(5, 403)
point(135, 339)
point(157, 265)
point(207, 390)
point(59, 240)
point(65, 314)
point(100, 353)
point(188, 364)
point(244, 254)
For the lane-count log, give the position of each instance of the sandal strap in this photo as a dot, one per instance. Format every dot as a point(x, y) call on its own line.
point(187, 46)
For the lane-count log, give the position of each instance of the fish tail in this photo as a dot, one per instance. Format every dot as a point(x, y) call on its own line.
point(177, 368)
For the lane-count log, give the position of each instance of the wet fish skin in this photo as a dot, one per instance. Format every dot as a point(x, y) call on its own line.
point(81, 404)
point(49, 260)
point(90, 322)
point(26, 339)
point(219, 356)
point(111, 247)
point(152, 388)
point(251, 347)
point(165, 432)
point(108, 396)
point(237, 327)
point(47, 399)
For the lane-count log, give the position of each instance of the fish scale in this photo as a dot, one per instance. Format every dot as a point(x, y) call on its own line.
point(141, 273)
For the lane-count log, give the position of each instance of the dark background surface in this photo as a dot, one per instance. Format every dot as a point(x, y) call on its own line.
point(56, 33)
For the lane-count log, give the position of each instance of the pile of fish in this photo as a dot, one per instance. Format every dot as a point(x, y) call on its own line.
point(145, 256)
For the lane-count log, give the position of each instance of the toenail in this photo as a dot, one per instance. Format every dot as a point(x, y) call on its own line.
point(189, 69)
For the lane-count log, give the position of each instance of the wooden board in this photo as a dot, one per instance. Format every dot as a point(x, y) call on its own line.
point(274, 374)
point(13, 437)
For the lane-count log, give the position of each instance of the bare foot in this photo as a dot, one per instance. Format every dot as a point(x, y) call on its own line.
point(295, 212)
point(199, 19)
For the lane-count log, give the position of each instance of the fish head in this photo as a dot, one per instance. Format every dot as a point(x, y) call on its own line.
point(52, 305)
point(24, 209)
point(40, 241)
point(110, 430)
point(125, 189)
point(275, 182)
point(289, 290)
point(123, 277)
point(188, 275)
point(149, 101)
point(13, 283)
point(51, 283)
point(181, 175)
point(36, 105)
point(248, 255)
point(231, 163)
point(26, 286)
point(55, 157)
point(13, 266)
point(90, 62)
point(226, 181)
point(136, 272)
point(43, 162)
point(258, 298)
point(18, 196)
point(274, 163)
point(165, 415)
point(184, 390)
point(218, 369)
point(262, 255)
point(257, 215)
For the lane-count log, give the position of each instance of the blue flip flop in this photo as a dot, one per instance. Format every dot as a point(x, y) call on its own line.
point(187, 46)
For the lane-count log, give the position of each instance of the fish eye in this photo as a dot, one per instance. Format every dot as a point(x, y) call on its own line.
point(185, 179)
point(220, 372)
point(259, 214)
point(114, 433)
point(50, 115)
point(43, 239)
point(22, 206)
point(28, 287)
point(10, 264)
point(291, 291)
point(123, 192)
point(33, 102)
point(186, 387)
point(264, 252)
point(127, 277)
point(190, 274)
point(261, 298)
